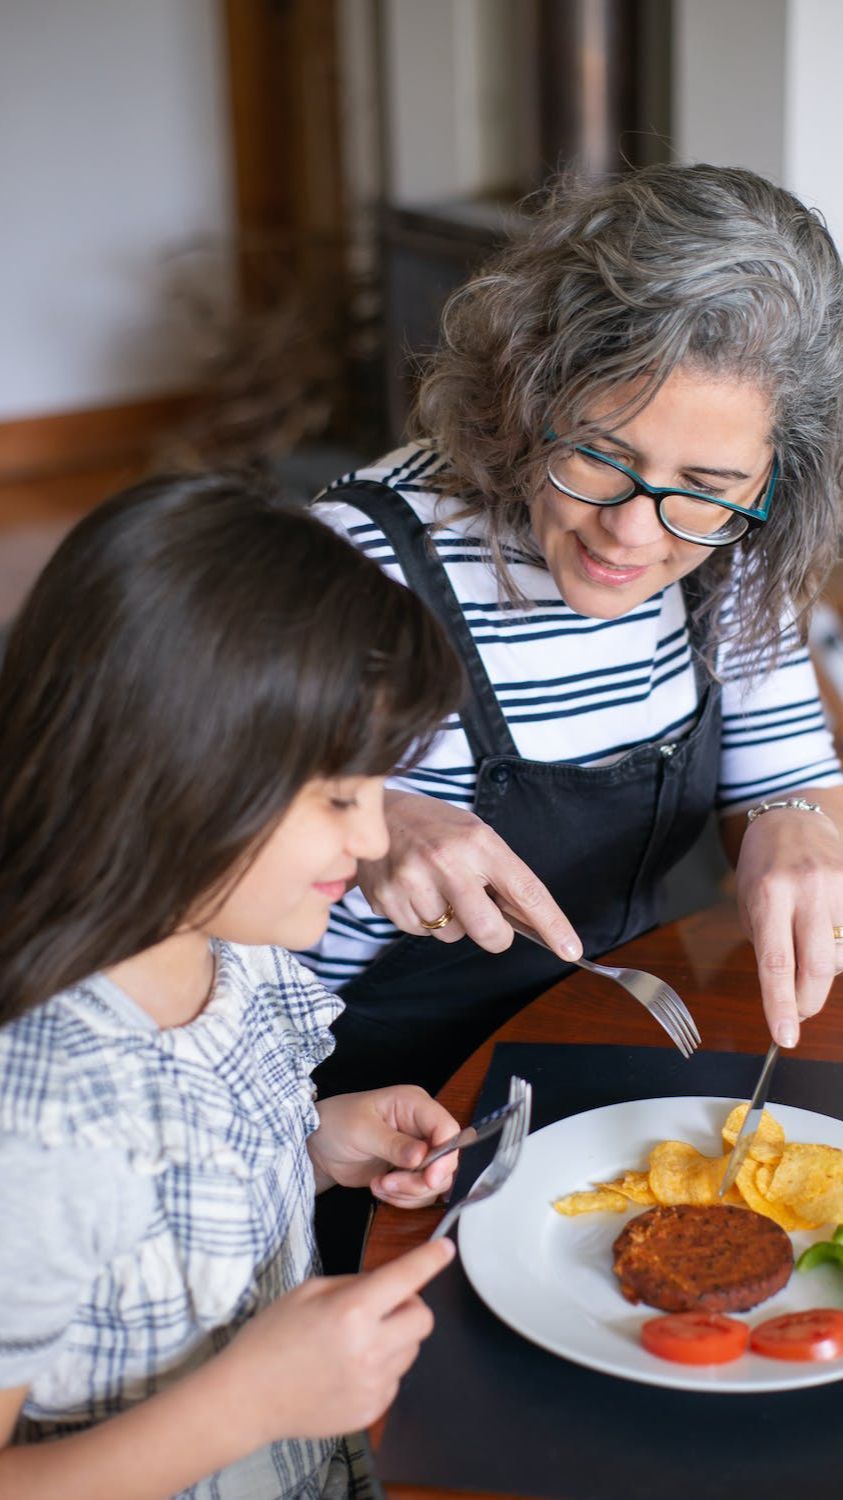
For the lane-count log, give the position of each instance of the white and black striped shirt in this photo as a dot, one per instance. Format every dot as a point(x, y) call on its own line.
point(576, 689)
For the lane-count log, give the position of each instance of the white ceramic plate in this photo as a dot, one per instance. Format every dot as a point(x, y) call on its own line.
point(551, 1279)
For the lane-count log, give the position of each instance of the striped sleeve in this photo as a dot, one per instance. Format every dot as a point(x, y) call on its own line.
point(775, 735)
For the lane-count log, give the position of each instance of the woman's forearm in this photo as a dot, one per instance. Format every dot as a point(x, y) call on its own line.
point(149, 1452)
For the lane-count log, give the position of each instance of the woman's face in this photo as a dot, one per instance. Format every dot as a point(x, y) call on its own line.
point(699, 432)
point(306, 864)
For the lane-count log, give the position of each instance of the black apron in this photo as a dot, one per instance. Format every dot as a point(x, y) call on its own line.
point(601, 838)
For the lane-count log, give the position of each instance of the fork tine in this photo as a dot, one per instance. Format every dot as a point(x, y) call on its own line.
point(661, 1006)
point(666, 1019)
point(664, 1005)
point(667, 1025)
point(681, 1009)
point(681, 1015)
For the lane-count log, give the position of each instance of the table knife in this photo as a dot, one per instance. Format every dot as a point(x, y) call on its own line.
point(752, 1119)
point(489, 1125)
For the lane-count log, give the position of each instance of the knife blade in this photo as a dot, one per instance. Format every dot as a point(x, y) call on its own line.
point(752, 1119)
point(479, 1131)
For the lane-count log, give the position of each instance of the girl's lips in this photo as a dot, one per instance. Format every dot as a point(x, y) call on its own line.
point(333, 889)
point(598, 571)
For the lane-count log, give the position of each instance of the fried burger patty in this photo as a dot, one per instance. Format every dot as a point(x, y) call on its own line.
point(687, 1257)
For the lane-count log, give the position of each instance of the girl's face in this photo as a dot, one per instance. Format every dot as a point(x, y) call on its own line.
point(699, 432)
point(308, 862)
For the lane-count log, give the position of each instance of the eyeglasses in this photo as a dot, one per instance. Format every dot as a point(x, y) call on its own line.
point(584, 474)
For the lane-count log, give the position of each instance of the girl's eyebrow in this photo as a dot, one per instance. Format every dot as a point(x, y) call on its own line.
point(616, 442)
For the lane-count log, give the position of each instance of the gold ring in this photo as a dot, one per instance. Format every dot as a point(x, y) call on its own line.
point(447, 914)
point(838, 934)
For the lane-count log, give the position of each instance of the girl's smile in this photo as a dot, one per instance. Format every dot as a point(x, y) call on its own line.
point(305, 865)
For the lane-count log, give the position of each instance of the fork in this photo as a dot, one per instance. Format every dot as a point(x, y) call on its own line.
point(653, 993)
point(504, 1160)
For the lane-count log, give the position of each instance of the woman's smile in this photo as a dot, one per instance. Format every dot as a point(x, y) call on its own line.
point(607, 559)
point(601, 570)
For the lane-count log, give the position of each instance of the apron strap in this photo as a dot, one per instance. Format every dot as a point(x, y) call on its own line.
point(692, 593)
point(482, 719)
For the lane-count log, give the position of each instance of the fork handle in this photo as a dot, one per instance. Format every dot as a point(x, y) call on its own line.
point(532, 935)
point(585, 963)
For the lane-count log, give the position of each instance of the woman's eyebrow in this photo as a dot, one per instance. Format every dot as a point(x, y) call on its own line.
point(717, 473)
point(616, 442)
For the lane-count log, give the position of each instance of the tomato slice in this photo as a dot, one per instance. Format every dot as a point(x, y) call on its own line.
point(695, 1338)
point(816, 1334)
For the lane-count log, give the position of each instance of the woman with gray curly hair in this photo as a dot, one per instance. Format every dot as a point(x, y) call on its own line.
point(622, 501)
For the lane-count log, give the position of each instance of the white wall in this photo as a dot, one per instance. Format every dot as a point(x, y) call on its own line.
point(451, 73)
point(113, 153)
point(728, 93)
point(757, 84)
point(813, 87)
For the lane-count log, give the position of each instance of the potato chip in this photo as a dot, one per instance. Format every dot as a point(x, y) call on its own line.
point(798, 1186)
point(809, 1180)
point(633, 1185)
point(768, 1144)
point(753, 1179)
point(679, 1173)
point(590, 1203)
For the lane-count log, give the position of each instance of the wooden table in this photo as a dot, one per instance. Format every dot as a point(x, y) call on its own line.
point(708, 962)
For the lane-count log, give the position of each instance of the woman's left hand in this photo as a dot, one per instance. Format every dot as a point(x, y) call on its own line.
point(790, 897)
point(363, 1137)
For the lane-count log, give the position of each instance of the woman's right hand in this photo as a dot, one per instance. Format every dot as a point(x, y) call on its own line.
point(328, 1356)
point(440, 856)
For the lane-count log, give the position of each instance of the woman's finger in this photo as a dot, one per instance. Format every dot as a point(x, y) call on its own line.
point(531, 902)
point(771, 932)
point(451, 932)
point(816, 959)
point(478, 916)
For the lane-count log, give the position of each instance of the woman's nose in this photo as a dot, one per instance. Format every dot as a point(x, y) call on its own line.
point(633, 524)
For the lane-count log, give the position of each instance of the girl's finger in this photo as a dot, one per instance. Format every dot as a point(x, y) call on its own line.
point(405, 1188)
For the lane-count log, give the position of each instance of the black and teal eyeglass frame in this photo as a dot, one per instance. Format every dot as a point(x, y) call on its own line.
point(754, 515)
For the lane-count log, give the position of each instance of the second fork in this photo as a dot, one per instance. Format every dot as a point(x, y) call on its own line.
point(653, 993)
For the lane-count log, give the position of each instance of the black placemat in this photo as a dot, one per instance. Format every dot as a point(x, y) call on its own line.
point(483, 1409)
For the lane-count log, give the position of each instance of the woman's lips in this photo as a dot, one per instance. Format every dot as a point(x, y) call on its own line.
point(599, 571)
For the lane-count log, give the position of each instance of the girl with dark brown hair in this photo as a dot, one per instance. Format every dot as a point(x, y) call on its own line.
point(198, 706)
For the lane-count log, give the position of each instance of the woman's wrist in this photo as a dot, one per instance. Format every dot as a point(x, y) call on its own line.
point(792, 804)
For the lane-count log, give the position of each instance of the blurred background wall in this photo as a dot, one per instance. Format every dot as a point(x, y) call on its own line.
point(230, 224)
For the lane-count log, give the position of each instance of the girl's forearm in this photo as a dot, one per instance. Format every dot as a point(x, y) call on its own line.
point(149, 1452)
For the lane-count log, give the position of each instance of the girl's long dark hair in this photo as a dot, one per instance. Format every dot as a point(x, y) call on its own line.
point(193, 653)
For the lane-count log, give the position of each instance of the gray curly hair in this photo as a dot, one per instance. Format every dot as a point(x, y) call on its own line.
point(625, 280)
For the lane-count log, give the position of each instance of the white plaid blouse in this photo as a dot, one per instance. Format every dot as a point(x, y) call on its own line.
point(203, 1128)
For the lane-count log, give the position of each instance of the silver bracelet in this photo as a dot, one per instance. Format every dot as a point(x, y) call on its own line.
point(798, 803)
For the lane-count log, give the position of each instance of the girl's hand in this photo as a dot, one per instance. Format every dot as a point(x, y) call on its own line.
point(328, 1356)
point(442, 856)
point(361, 1136)
point(790, 896)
